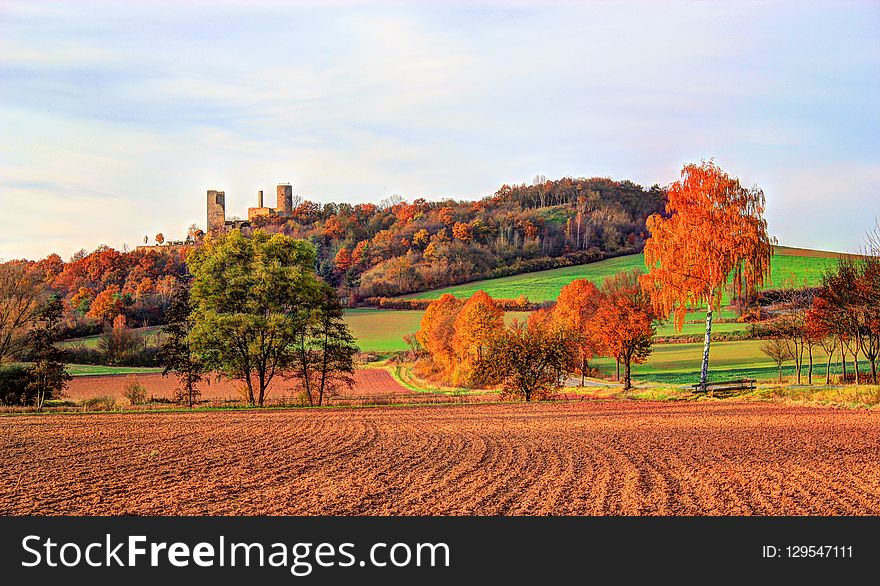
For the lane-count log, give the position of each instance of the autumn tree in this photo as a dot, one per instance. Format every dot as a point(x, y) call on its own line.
point(778, 351)
point(251, 300)
point(462, 231)
point(793, 329)
point(21, 293)
point(118, 342)
point(625, 321)
point(839, 305)
point(713, 232)
point(820, 329)
point(437, 330)
point(528, 361)
point(107, 304)
point(479, 320)
point(576, 309)
point(342, 260)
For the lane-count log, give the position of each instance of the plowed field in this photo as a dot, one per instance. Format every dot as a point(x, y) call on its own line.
point(372, 382)
point(584, 458)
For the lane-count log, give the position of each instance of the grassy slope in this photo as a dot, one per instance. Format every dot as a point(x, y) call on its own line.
point(788, 264)
point(378, 330)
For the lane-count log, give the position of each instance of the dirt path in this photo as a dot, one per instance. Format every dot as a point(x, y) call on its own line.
point(582, 458)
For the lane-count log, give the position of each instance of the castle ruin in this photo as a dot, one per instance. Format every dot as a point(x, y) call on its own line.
point(217, 209)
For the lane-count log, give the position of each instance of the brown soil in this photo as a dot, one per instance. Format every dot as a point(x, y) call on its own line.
point(582, 458)
point(373, 382)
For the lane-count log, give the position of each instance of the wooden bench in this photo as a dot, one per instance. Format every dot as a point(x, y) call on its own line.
point(726, 387)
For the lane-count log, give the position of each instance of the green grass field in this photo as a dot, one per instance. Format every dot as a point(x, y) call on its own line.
point(151, 333)
point(380, 330)
point(788, 265)
point(680, 363)
point(96, 370)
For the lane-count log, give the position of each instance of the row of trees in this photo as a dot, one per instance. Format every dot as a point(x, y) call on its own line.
point(842, 316)
point(255, 311)
point(468, 343)
point(94, 289)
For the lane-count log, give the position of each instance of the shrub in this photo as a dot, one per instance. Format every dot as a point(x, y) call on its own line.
point(103, 403)
point(15, 383)
point(136, 393)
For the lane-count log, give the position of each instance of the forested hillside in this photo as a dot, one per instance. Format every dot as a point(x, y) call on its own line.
point(401, 247)
point(366, 250)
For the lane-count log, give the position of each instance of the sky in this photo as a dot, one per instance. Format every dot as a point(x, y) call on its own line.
point(116, 118)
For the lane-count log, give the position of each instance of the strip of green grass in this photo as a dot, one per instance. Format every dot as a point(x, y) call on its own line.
point(787, 266)
point(151, 333)
point(97, 370)
point(382, 330)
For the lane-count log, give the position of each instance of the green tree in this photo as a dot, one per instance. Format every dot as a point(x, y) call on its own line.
point(251, 299)
point(325, 350)
point(178, 354)
point(48, 375)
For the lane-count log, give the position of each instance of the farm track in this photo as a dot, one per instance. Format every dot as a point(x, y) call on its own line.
point(577, 458)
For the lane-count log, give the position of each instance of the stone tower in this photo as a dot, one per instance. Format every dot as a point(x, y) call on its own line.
point(216, 210)
point(285, 200)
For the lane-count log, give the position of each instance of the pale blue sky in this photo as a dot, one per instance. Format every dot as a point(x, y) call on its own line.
point(116, 118)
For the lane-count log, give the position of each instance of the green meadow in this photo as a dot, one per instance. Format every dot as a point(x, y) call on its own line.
point(788, 265)
point(382, 330)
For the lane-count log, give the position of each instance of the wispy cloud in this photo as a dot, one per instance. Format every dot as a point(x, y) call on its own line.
point(122, 115)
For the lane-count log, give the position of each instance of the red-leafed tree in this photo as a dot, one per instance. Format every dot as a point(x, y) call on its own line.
point(624, 322)
point(342, 260)
point(575, 309)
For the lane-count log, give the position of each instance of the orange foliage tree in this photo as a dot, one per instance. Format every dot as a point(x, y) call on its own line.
point(575, 309)
point(713, 231)
point(342, 260)
point(107, 304)
point(625, 322)
point(479, 320)
point(461, 231)
point(437, 330)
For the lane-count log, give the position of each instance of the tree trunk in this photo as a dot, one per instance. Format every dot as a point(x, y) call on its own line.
point(828, 369)
point(250, 387)
point(856, 364)
point(704, 369)
point(810, 371)
point(583, 369)
point(618, 369)
point(843, 363)
point(627, 383)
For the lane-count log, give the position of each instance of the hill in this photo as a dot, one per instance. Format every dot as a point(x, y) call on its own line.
point(789, 265)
